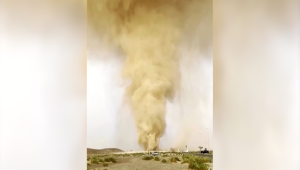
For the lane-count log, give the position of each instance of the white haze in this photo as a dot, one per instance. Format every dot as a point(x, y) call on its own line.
point(42, 86)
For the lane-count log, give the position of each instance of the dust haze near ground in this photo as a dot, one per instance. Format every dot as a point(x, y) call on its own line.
point(163, 50)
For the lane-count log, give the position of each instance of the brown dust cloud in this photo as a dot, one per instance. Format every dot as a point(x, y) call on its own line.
point(148, 32)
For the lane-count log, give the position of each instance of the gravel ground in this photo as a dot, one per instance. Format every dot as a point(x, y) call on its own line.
point(136, 163)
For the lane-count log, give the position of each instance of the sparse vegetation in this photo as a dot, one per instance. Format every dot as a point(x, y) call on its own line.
point(105, 164)
point(147, 157)
point(96, 160)
point(196, 163)
point(191, 161)
point(201, 166)
point(126, 155)
point(137, 154)
point(174, 159)
point(157, 158)
point(110, 159)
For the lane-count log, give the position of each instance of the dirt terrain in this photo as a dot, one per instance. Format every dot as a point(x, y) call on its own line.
point(136, 162)
point(103, 151)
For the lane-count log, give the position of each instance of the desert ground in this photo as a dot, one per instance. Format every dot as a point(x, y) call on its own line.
point(115, 159)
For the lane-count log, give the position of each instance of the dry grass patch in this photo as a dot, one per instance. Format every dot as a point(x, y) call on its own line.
point(164, 161)
point(196, 163)
point(174, 159)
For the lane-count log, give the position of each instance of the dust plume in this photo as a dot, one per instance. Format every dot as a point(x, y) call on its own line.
point(148, 33)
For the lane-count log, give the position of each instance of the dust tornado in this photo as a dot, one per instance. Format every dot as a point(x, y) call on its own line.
point(148, 33)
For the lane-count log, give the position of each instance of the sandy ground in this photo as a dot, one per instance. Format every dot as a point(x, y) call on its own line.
point(136, 163)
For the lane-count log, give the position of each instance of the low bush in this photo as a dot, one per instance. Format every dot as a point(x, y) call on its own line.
point(147, 157)
point(96, 160)
point(156, 159)
point(105, 164)
point(138, 154)
point(113, 161)
point(164, 161)
point(198, 166)
point(196, 163)
point(174, 159)
point(110, 159)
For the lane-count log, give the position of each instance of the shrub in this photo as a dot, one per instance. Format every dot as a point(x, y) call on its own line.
point(174, 159)
point(164, 161)
point(113, 160)
point(105, 164)
point(110, 159)
point(96, 160)
point(201, 166)
point(147, 157)
point(138, 154)
point(156, 159)
point(196, 163)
